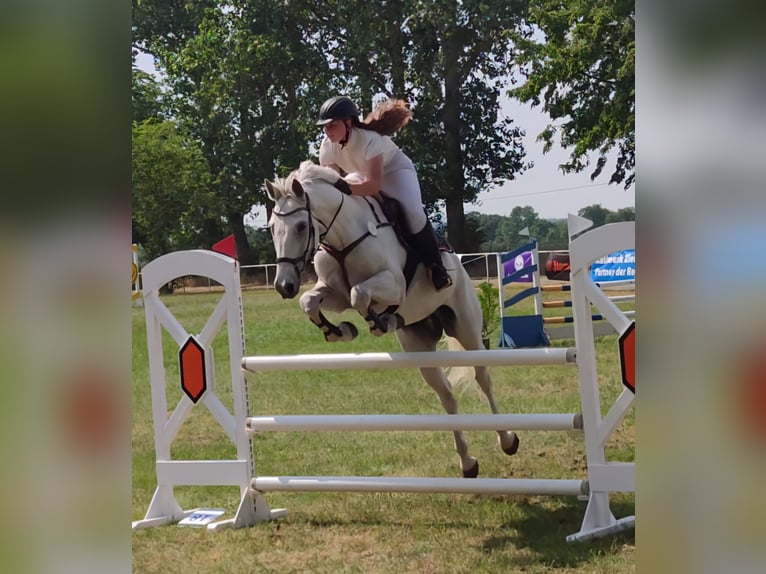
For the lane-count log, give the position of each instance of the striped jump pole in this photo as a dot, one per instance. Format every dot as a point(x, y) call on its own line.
point(565, 303)
point(570, 318)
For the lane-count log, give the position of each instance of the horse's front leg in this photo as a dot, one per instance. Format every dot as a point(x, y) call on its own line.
point(383, 290)
point(320, 297)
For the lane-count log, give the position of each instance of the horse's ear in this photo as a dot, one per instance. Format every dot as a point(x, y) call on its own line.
point(270, 191)
point(297, 188)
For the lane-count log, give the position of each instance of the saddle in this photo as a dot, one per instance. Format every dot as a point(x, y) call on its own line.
point(394, 212)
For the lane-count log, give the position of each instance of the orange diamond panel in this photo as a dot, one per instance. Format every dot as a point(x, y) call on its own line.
point(627, 345)
point(192, 359)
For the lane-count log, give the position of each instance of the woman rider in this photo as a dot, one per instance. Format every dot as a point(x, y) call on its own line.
point(365, 148)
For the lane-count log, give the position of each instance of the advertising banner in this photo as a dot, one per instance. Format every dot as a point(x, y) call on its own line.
point(557, 266)
point(617, 266)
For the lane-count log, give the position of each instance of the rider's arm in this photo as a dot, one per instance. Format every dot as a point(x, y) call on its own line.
point(373, 175)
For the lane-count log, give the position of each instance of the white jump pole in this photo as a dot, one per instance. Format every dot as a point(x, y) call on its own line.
point(489, 358)
point(488, 422)
point(495, 486)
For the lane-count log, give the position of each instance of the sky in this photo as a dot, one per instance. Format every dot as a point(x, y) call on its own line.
point(550, 193)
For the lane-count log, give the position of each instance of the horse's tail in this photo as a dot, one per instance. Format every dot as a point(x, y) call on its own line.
point(459, 377)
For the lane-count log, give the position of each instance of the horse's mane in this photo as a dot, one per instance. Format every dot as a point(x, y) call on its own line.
point(307, 173)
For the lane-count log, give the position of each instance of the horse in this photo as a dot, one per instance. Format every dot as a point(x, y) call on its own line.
point(359, 262)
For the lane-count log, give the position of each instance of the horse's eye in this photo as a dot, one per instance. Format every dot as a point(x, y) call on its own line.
point(301, 227)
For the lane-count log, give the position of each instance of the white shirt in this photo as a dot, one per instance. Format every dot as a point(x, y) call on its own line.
point(362, 145)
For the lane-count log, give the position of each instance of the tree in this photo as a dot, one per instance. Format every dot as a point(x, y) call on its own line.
point(597, 214)
point(262, 245)
point(578, 60)
point(450, 61)
point(146, 97)
point(508, 232)
point(172, 197)
point(500, 233)
point(623, 214)
point(556, 236)
point(242, 75)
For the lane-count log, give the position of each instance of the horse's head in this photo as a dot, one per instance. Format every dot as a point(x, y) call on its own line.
point(293, 232)
point(295, 221)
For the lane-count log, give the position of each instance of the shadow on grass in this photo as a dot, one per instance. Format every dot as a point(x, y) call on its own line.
point(543, 533)
point(537, 537)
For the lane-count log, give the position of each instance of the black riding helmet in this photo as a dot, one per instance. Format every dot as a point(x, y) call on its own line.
point(337, 108)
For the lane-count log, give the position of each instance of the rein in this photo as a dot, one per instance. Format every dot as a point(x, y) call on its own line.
point(340, 254)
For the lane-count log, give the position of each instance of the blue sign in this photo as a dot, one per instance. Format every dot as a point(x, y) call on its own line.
point(617, 266)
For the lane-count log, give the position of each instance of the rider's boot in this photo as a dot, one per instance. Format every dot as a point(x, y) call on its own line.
point(424, 242)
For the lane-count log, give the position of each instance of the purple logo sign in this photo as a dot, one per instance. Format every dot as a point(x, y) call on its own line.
point(518, 263)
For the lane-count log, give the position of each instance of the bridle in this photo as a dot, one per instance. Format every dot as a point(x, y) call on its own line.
point(312, 242)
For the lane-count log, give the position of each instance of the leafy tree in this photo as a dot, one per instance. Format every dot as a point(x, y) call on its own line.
point(508, 236)
point(578, 60)
point(146, 97)
point(242, 76)
point(172, 198)
point(555, 237)
point(449, 60)
point(597, 214)
point(500, 233)
point(624, 214)
point(474, 232)
point(262, 245)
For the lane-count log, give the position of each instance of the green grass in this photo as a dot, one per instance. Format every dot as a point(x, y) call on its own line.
point(371, 533)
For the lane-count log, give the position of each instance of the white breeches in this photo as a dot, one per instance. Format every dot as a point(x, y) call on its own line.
point(400, 181)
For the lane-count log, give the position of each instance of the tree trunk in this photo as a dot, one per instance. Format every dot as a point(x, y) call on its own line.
point(455, 177)
point(456, 223)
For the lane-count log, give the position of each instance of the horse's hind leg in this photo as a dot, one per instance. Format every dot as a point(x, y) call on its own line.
point(439, 383)
point(423, 336)
point(467, 331)
point(508, 440)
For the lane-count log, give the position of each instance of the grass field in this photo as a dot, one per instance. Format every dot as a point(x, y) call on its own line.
point(373, 533)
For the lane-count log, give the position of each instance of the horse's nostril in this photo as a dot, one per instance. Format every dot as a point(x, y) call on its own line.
point(287, 289)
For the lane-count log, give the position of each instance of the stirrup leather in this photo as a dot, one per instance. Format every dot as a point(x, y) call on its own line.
point(439, 276)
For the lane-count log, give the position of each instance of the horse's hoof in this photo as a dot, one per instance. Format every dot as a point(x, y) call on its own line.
point(472, 472)
point(514, 447)
point(377, 327)
point(350, 330)
point(389, 322)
